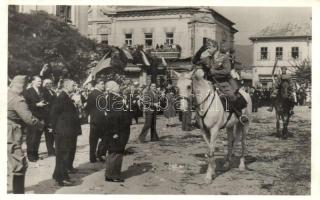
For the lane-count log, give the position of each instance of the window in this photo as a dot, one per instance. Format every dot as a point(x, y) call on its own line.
point(279, 53)
point(295, 52)
point(104, 38)
point(264, 53)
point(64, 12)
point(169, 38)
point(148, 39)
point(128, 39)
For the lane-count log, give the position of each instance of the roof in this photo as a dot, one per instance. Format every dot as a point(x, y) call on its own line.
point(145, 10)
point(284, 31)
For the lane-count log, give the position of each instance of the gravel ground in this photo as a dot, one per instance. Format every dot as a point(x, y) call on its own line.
point(176, 164)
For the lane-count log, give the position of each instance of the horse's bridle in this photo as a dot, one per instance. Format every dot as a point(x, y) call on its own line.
point(204, 100)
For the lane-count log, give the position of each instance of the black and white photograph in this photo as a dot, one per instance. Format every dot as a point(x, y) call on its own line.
point(159, 99)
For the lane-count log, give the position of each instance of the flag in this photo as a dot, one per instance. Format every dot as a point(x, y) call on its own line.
point(102, 64)
point(164, 63)
point(145, 59)
point(128, 54)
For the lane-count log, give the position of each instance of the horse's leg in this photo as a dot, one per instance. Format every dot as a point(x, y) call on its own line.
point(244, 130)
point(285, 126)
point(211, 162)
point(231, 140)
point(278, 123)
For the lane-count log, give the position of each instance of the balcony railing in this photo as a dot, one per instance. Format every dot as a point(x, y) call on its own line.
point(166, 54)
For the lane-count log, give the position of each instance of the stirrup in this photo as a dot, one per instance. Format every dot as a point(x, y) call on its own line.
point(243, 119)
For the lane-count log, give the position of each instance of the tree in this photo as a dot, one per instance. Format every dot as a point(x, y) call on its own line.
point(302, 70)
point(39, 38)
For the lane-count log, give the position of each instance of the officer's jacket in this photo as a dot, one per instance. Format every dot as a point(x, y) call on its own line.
point(19, 112)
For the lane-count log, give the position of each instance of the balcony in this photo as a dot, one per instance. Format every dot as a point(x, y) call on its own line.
point(166, 54)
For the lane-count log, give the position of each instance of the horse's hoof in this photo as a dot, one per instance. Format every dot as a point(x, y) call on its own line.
point(208, 180)
point(242, 167)
point(227, 165)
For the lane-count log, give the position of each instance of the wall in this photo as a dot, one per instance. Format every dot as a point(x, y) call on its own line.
point(286, 44)
point(158, 25)
point(29, 8)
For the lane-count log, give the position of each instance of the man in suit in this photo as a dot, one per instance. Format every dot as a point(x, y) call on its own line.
point(151, 103)
point(118, 121)
point(49, 96)
point(36, 103)
point(96, 104)
point(66, 125)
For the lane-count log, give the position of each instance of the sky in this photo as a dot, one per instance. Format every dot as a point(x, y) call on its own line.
point(250, 20)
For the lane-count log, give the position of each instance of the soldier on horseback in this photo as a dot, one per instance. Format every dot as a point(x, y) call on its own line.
point(217, 67)
point(282, 78)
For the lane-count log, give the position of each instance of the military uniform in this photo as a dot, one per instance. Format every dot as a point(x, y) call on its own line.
point(280, 79)
point(217, 67)
point(19, 116)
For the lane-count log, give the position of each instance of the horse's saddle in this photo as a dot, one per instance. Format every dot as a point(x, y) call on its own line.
point(226, 102)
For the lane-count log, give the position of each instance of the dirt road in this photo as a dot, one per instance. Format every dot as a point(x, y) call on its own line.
point(176, 164)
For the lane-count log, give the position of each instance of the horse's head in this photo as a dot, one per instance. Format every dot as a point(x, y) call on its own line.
point(184, 84)
point(284, 90)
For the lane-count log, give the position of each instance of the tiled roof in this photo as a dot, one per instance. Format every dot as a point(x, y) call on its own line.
point(284, 30)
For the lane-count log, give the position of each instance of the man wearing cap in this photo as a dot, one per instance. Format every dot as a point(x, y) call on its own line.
point(217, 67)
point(19, 116)
point(283, 77)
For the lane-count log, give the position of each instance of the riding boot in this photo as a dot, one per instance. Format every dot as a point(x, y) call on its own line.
point(18, 184)
point(237, 106)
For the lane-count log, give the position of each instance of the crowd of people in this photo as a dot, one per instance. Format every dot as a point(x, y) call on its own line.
point(109, 106)
point(36, 106)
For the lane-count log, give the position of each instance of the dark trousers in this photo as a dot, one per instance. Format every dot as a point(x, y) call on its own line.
point(97, 132)
point(65, 153)
point(150, 123)
point(33, 142)
point(49, 137)
point(186, 120)
point(113, 165)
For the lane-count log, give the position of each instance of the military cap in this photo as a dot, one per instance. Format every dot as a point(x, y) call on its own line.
point(210, 43)
point(19, 80)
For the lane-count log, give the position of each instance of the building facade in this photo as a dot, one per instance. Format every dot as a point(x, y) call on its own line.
point(289, 44)
point(154, 27)
point(75, 15)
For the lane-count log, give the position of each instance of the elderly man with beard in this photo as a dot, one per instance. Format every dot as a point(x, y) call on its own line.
point(66, 125)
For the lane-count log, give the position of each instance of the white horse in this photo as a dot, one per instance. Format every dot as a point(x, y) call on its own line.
point(211, 117)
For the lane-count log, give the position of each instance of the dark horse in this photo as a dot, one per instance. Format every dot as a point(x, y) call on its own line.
point(283, 106)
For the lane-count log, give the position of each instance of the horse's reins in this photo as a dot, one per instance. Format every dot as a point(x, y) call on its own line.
point(203, 101)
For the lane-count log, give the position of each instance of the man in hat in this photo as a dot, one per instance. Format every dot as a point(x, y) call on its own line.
point(217, 67)
point(283, 77)
point(19, 116)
